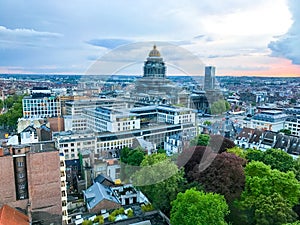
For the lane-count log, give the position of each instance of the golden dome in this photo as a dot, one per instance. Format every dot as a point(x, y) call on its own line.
point(154, 52)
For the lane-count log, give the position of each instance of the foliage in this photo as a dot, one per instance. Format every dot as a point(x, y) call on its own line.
point(296, 168)
point(207, 123)
point(237, 151)
point(219, 144)
point(10, 118)
point(273, 210)
point(285, 131)
point(225, 175)
point(196, 207)
point(148, 207)
point(130, 213)
point(276, 158)
point(266, 191)
point(87, 222)
point(161, 150)
point(219, 107)
point(254, 155)
point(200, 140)
point(295, 223)
point(118, 211)
point(99, 219)
point(198, 156)
point(131, 159)
point(111, 218)
point(159, 179)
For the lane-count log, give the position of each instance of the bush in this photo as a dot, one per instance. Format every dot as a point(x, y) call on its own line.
point(101, 219)
point(87, 222)
point(147, 207)
point(111, 218)
point(130, 213)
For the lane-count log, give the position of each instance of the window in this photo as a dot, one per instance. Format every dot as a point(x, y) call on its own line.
point(21, 175)
point(20, 164)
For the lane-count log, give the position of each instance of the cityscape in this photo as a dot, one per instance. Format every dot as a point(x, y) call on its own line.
point(125, 130)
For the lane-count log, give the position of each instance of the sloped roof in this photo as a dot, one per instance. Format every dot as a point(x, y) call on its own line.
point(97, 193)
point(11, 216)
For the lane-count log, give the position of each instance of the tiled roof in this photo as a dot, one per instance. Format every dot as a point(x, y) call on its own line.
point(11, 216)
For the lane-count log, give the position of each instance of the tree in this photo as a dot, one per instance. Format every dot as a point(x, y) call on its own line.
point(276, 158)
point(207, 123)
point(10, 118)
point(196, 207)
point(263, 188)
point(285, 131)
point(219, 107)
point(225, 175)
point(237, 151)
point(254, 155)
point(220, 144)
point(159, 179)
point(130, 161)
point(200, 140)
point(273, 210)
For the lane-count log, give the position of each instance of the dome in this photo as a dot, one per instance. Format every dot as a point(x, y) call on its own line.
point(154, 52)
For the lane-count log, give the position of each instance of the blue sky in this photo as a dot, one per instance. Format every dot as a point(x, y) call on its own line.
point(239, 37)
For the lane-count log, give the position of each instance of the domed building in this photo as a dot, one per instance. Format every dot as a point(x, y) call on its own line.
point(154, 87)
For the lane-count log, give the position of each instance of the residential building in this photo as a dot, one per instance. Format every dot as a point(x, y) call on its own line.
point(32, 181)
point(293, 124)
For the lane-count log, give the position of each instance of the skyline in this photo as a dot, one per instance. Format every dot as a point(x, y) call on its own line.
point(238, 37)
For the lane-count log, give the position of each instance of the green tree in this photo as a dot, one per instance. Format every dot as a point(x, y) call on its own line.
point(196, 207)
point(285, 131)
point(219, 107)
point(200, 140)
point(159, 179)
point(276, 158)
point(265, 187)
point(87, 222)
point(207, 123)
point(237, 151)
point(130, 161)
point(10, 118)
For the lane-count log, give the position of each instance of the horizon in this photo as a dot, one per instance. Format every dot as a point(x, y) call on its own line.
point(257, 38)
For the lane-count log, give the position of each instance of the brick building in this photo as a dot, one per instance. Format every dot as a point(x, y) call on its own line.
point(31, 181)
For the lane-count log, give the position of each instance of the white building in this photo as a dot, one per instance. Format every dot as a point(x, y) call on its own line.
point(103, 119)
point(267, 120)
point(71, 143)
point(74, 123)
point(293, 124)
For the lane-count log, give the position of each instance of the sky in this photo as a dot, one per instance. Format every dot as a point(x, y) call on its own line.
point(239, 37)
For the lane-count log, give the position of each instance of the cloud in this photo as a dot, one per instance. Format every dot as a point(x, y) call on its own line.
point(287, 45)
point(108, 43)
point(9, 38)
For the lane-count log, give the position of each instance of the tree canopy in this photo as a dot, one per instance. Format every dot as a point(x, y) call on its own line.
point(266, 191)
point(200, 140)
point(219, 107)
point(225, 175)
point(197, 207)
point(159, 179)
point(276, 158)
